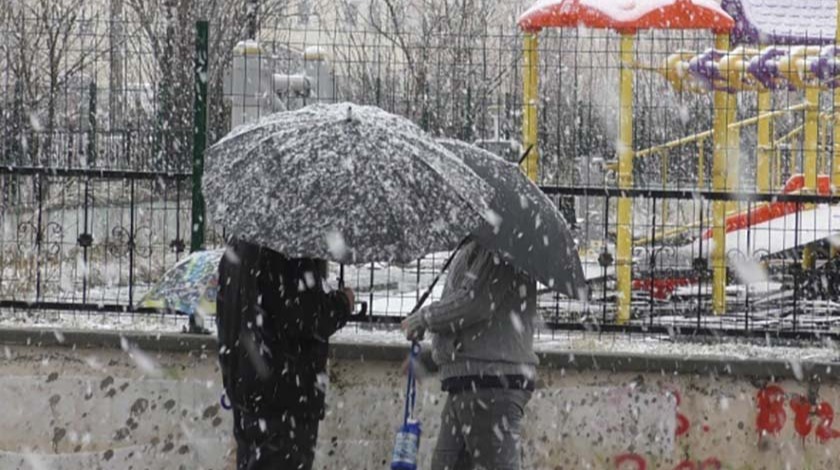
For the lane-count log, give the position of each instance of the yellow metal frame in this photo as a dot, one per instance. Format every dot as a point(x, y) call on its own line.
point(624, 243)
point(810, 148)
point(724, 115)
point(764, 138)
point(726, 134)
point(705, 134)
point(530, 126)
point(811, 139)
point(835, 163)
point(732, 138)
point(835, 166)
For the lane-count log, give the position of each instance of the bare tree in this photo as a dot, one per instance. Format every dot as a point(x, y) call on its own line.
point(167, 30)
point(116, 54)
point(443, 45)
point(51, 44)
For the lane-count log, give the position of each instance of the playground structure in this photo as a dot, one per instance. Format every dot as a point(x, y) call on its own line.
point(804, 59)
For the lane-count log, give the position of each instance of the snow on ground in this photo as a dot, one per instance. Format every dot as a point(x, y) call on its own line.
point(572, 342)
point(102, 321)
point(589, 342)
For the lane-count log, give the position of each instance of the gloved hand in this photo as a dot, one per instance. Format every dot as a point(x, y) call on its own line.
point(414, 326)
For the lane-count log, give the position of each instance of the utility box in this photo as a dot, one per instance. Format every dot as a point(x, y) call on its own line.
point(317, 69)
point(256, 87)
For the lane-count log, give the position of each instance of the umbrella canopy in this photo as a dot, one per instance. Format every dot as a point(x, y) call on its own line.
point(348, 183)
point(189, 287)
point(526, 228)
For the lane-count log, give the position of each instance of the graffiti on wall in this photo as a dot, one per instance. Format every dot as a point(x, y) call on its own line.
point(775, 409)
point(810, 418)
point(637, 462)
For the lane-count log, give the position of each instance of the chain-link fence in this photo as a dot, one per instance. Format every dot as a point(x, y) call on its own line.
point(97, 136)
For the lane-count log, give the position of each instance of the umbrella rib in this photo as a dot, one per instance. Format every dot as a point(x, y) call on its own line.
point(450, 185)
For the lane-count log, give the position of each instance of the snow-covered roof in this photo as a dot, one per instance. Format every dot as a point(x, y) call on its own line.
point(783, 21)
point(626, 15)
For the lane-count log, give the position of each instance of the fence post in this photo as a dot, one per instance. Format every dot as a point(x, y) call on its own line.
point(91, 150)
point(199, 134)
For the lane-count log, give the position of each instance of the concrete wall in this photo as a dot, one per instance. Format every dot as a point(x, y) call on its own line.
point(94, 401)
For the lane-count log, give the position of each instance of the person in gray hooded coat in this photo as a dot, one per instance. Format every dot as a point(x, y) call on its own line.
point(482, 341)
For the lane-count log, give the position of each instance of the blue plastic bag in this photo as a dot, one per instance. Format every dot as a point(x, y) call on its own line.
point(407, 442)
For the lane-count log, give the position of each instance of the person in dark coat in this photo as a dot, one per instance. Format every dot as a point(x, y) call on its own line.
point(274, 321)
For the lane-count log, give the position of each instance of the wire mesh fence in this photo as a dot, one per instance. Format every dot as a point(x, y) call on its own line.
point(96, 148)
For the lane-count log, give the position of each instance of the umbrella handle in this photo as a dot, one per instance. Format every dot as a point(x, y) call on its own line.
point(525, 155)
point(364, 305)
point(361, 314)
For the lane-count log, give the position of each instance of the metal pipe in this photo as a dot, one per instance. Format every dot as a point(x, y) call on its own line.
point(733, 152)
point(689, 194)
point(530, 79)
point(765, 135)
point(703, 135)
point(811, 153)
point(624, 244)
point(199, 134)
point(771, 114)
point(835, 164)
point(787, 137)
point(719, 183)
point(812, 96)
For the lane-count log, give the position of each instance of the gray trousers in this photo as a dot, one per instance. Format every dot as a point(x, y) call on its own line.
point(481, 430)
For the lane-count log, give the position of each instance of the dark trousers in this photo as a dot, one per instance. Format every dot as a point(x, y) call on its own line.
point(276, 443)
point(481, 430)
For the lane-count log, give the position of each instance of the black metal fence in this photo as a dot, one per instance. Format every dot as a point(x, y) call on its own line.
point(96, 159)
point(96, 135)
point(768, 293)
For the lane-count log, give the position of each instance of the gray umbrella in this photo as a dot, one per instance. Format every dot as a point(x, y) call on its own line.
point(525, 227)
point(342, 182)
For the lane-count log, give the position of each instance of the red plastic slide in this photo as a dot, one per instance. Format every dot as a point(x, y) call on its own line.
point(772, 210)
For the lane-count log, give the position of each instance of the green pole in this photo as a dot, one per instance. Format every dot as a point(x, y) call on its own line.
point(199, 134)
point(91, 163)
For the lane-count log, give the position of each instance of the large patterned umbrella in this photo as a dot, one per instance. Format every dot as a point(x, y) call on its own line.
point(350, 184)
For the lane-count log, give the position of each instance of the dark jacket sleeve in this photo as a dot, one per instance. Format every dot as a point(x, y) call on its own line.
point(318, 314)
point(335, 310)
point(228, 318)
